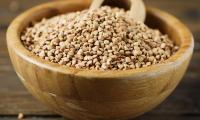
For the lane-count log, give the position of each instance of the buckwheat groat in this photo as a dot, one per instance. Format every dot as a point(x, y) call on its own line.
point(104, 39)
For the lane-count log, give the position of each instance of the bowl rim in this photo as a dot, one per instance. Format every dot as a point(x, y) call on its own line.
point(185, 50)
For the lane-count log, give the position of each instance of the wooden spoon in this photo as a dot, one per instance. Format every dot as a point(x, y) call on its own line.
point(96, 4)
point(137, 8)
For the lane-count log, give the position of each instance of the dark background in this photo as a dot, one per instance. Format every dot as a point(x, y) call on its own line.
point(183, 104)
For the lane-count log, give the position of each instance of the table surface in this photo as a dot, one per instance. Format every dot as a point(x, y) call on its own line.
point(183, 104)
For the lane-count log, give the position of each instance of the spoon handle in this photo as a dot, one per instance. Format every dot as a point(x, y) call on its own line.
point(138, 10)
point(96, 4)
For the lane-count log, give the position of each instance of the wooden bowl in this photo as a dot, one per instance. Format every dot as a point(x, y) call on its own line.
point(89, 94)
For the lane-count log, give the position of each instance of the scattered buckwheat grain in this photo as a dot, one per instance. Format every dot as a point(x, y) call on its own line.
point(104, 39)
point(20, 116)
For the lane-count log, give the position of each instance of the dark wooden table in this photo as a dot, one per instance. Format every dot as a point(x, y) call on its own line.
point(183, 104)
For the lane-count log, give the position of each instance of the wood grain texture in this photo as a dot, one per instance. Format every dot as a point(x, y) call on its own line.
point(183, 104)
point(89, 94)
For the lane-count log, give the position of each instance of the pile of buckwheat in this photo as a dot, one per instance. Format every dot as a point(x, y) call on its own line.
point(104, 39)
